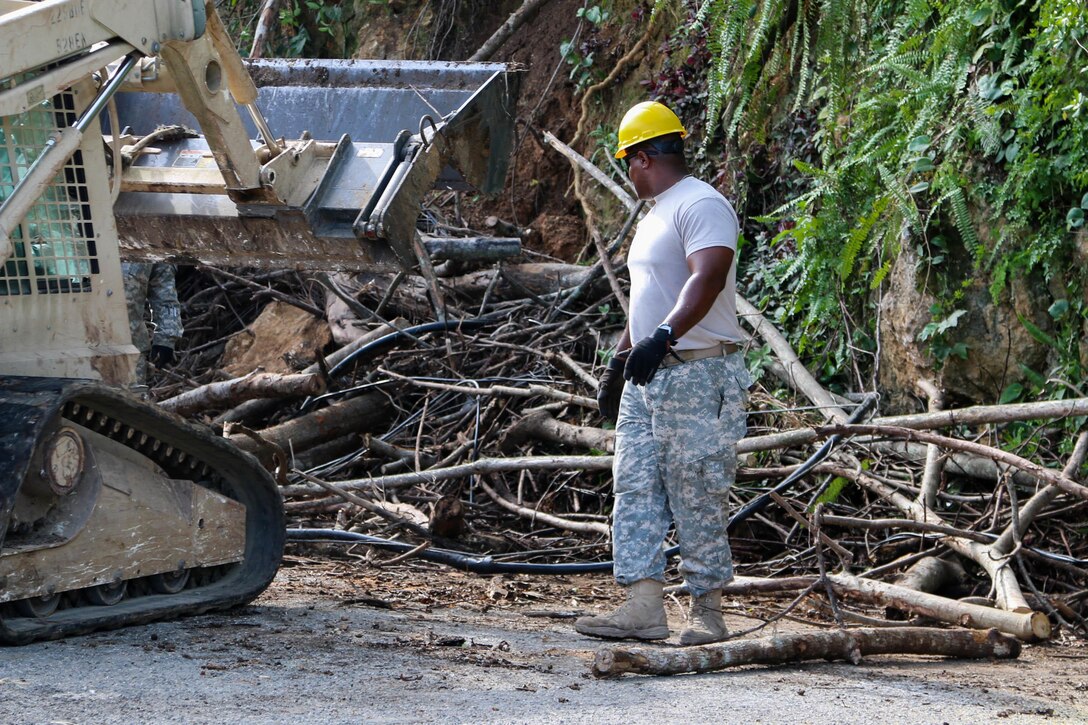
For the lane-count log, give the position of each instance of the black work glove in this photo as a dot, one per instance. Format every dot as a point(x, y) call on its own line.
point(646, 357)
point(161, 356)
point(610, 388)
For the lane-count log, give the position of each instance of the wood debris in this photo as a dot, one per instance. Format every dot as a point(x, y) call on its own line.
point(487, 427)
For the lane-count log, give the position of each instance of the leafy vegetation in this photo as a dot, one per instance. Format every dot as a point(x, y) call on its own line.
point(959, 127)
point(579, 53)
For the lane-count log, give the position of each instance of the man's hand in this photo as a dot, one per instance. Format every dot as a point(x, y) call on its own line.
point(161, 356)
point(610, 387)
point(646, 357)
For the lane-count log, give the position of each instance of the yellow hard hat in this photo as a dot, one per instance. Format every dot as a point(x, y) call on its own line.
point(645, 121)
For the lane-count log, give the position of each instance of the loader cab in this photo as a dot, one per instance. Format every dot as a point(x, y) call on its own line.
point(62, 307)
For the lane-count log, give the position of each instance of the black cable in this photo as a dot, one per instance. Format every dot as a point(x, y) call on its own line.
point(760, 502)
point(392, 338)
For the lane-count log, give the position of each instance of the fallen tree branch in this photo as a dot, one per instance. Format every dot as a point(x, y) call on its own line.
point(1028, 626)
point(845, 644)
point(512, 23)
point(581, 162)
point(247, 387)
point(406, 555)
point(1035, 505)
point(931, 475)
point(1047, 475)
point(526, 392)
point(266, 18)
point(482, 465)
point(802, 378)
point(610, 273)
point(851, 522)
point(1008, 593)
point(990, 414)
point(370, 506)
point(584, 527)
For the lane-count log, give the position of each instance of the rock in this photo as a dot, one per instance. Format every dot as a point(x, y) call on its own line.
point(997, 342)
point(904, 311)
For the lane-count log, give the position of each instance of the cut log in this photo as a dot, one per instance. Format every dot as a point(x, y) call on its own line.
point(364, 413)
point(841, 644)
point(540, 425)
point(247, 387)
point(932, 575)
point(1028, 626)
point(518, 281)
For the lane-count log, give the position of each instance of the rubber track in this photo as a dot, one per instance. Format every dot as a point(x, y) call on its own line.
point(184, 451)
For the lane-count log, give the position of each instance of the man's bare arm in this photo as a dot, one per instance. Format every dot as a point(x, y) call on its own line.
point(709, 271)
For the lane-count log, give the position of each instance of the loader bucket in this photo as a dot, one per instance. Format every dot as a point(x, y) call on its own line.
point(401, 128)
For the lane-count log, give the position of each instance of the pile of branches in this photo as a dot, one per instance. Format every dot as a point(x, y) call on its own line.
point(479, 432)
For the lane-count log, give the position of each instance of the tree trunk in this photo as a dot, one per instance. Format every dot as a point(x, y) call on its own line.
point(540, 425)
point(356, 415)
point(846, 644)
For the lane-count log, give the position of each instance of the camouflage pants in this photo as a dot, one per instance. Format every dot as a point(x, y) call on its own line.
point(151, 285)
point(675, 461)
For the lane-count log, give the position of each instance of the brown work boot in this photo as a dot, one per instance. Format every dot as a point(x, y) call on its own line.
point(642, 616)
point(705, 623)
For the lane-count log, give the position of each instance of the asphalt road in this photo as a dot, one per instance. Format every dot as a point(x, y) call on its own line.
point(302, 656)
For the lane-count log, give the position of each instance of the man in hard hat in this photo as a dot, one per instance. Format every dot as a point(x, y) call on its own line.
point(680, 414)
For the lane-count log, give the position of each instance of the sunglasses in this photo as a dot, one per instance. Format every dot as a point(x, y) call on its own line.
point(626, 160)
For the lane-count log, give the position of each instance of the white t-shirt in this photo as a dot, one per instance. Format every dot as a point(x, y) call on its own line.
point(688, 216)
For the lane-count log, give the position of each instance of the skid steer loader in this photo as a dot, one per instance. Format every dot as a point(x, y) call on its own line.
point(132, 129)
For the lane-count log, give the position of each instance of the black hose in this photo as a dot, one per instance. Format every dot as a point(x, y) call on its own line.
point(487, 565)
point(760, 502)
point(392, 338)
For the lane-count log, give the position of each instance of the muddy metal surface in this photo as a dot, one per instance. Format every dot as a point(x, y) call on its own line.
point(424, 645)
